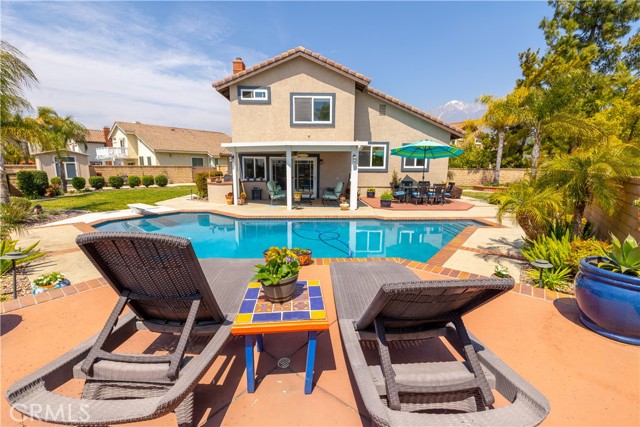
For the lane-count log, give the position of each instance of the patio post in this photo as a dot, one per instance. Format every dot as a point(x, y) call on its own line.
point(289, 180)
point(353, 198)
point(234, 177)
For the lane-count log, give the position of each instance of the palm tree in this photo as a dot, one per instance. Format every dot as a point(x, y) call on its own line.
point(15, 76)
point(592, 175)
point(530, 206)
point(59, 131)
point(501, 114)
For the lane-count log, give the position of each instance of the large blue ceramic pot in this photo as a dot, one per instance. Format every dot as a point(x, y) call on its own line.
point(609, 302)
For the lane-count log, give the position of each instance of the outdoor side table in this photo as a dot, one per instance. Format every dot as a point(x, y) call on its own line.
point(305, 312)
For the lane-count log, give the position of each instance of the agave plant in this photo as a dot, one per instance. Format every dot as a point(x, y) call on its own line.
point(623, 257)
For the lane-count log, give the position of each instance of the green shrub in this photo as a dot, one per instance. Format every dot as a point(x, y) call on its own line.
point(386, 196)
point(14, 215)
point(583, 248)
point(133, 181)
point(218, 173)
point(78, 182)
point(201, 185)
point(147, 180)
point(553, 249)
point(32, 184)
point(7, 246)
point(116, 182)
point(56, 180)
point(553, 278)
point(96, 182)
point(162, 180)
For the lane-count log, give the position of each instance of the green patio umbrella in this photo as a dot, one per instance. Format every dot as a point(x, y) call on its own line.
point(426, 149)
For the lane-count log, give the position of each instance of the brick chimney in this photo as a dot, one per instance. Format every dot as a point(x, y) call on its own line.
point(107, 140)
point(238, 65)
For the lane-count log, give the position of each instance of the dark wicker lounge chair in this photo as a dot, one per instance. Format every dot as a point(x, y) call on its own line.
point(385, 303)
point(160, 279)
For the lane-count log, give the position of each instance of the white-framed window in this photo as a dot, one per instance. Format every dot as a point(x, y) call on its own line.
point(254, 168)
point(373, 156)
point(70, 167)
point(312, 109)
point(196, 161)
point(141, 160)
point(254, 94)
point(415, 163)
point(149, 161)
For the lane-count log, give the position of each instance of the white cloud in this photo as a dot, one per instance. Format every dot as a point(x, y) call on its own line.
point(109, 62)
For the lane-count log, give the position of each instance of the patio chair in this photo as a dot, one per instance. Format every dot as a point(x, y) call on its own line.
point(333, 195)
point(275, 192)
point(437, 194)
point(159, 278)
point(385, 304)
point(423, 193)
point(449, 189)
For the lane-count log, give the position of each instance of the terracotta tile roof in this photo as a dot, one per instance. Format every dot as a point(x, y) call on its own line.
point(166, 138)
point(220, 85)
point(455, 131)
point(95, 136)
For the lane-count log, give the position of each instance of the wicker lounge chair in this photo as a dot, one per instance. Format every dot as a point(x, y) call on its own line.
point(385, 303)
point(159, 278)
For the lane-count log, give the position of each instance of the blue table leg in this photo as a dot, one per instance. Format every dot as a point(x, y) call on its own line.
point(248, 354)
point(311, 359)
point(259, 341)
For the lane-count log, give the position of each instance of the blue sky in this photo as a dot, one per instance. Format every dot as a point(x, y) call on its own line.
point(155, 61)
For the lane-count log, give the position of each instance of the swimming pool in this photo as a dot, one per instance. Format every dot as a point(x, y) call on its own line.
point(216, 236)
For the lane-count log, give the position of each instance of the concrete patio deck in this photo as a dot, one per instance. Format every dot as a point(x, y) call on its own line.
point(588, 379)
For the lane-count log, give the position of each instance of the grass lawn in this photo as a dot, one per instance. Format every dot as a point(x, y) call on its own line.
point(110, 200)
point(480, 195)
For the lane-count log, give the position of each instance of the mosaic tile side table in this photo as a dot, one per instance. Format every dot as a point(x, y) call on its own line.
point(257, 316)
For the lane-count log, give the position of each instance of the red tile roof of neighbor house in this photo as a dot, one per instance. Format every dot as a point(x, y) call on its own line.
point(167, 138)
point(361, 80)
point(95, 136)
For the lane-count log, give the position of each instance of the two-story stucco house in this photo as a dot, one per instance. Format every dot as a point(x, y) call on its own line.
point(303, 119)
point(143, 144)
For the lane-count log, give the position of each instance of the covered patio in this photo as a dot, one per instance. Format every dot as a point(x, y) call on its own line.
point(288, 154)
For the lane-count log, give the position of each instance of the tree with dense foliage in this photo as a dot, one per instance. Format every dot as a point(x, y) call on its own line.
point(59, 132)
point(592, 175)
point(15, 76)
point(530, 205)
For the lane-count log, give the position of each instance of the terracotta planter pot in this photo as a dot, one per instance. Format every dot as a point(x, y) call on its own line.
point(229, 200)
point(283, 291)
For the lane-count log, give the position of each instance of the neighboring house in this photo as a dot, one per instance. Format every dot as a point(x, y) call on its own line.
point(149, 145)
point(76, 159)
point(301, 118)
point(94, 140)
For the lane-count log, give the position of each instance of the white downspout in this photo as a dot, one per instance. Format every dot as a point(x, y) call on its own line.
point(289, 180)
point(353, 199)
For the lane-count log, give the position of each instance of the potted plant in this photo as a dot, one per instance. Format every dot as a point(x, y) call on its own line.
point(229, 198)
point(243, 198)
point(385, 199)
point(501, 271)
point(297, 196)
point(608, 291)
point(49, 281)
point(344, 206)
point(371, 192)
point(279, 274)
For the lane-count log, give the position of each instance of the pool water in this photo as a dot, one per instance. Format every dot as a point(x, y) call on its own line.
point(216, 236)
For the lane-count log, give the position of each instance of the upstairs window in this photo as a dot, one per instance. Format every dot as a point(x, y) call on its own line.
point(312, 109)
point(254, 95)
point(195, 161)
point(373, 157)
